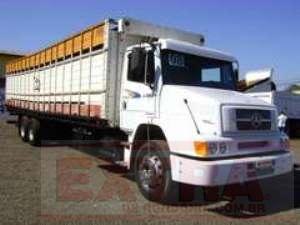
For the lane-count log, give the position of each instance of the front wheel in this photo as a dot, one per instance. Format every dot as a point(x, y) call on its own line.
point(153, 172)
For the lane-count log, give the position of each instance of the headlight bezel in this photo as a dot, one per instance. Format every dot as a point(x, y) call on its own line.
point(211, 148)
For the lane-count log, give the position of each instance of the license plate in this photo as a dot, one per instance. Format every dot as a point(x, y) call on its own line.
point(264, 164)
point(264, 167)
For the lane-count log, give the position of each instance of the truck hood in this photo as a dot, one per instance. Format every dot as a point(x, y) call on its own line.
point(205, 104)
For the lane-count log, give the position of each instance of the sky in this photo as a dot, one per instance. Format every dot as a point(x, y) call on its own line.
point(260, 34)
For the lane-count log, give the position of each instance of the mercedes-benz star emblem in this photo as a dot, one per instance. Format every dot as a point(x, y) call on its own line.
point(256, 120)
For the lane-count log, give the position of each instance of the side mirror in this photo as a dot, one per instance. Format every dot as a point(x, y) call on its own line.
point(142, 67)
point(150, 71)
point(137, 61)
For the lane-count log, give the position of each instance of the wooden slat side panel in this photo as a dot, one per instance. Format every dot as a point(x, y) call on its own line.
point(23, 64)
point(61, 50)
point(69, 47)
point(32, 61)
point(27, 63)
point(48, 55)
point(77, 44)
point(18, 66)
point(43, 57)
point(98, 36)
point(54, 53)
point(14, 66)
point(79, 85)
point(37, 59)
point(11, 69)
point(87, 40)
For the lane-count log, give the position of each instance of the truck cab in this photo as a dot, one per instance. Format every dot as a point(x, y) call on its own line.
point(187, 123)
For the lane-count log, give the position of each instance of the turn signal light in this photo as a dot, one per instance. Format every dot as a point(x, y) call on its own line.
point(201, 148)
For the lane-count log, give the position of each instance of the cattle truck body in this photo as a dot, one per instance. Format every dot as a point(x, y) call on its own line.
point(79, 84)
point(170, 101)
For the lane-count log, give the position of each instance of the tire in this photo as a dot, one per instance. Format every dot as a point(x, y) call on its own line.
point(154, 157)
point(34, 133)
point(23, 128)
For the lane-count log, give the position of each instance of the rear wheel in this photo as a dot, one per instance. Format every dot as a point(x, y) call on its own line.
point(34, 133)
point(153, 172)
point(23, 128)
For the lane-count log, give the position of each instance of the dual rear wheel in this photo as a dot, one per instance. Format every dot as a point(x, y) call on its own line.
point(30, 130)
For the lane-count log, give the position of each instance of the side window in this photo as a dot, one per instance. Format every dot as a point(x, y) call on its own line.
point(213, 74)
point(135, 73)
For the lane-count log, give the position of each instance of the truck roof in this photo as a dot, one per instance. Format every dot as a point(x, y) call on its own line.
point(186, 47)
point(132, 26)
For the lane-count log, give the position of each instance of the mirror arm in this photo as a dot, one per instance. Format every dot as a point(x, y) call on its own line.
point(146, 69)
point(237, 71)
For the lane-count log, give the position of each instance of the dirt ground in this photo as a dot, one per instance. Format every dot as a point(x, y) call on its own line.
point(69, 185)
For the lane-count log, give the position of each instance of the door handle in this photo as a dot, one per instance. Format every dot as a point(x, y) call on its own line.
point(124, 105)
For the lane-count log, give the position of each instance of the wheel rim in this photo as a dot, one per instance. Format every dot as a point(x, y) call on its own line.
point(31, 135)
point(22, 132)
point(151, 173)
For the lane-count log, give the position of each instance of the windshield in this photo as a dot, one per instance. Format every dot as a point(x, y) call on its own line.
point(191, 70)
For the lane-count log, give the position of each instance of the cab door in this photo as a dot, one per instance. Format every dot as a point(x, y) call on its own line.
point(138, 98)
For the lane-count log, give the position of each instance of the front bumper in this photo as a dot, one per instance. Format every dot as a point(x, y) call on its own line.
point(228, 171)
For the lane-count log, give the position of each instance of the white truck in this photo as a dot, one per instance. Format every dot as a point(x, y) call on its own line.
point(169, 102)
point(260, 84)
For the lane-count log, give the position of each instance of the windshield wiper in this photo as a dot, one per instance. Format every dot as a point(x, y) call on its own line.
point(192, 115)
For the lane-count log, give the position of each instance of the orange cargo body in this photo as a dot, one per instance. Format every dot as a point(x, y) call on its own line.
point(23, 64)
point(54, 53)
point(87, 40)
point(43, 57)
point(48, 55)
point(37, 59)
point(27, 63)
point(7, 68)
point(32, 61)
point(61, 51)
point(98, 36)
point(77, 44)
point(69, 47)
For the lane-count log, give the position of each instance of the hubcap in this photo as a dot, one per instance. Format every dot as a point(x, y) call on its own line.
point(151, 172)
point(31, 135)
point(22, 132)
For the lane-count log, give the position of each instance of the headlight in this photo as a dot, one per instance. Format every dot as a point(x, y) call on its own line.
point(210, 148)
point(223, 148)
